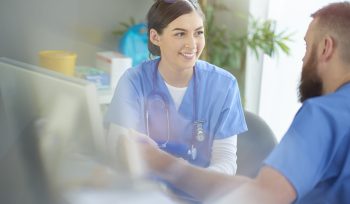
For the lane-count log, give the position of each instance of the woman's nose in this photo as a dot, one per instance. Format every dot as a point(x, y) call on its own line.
point(191, 43)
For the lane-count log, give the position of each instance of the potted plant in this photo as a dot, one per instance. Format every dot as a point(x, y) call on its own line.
point(227, 49)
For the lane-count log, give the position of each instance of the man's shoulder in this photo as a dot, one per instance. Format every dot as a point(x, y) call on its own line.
point(336, 100)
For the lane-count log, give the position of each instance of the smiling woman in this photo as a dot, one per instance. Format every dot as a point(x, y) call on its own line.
point(180, 45)
point(177, 99)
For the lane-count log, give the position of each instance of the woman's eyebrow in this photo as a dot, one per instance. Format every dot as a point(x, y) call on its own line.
point(182, 29)
point(178, 29)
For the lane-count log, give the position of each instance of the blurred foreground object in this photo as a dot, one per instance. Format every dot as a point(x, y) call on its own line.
point(53, 145)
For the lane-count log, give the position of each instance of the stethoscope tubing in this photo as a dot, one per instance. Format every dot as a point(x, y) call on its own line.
point(192, 151)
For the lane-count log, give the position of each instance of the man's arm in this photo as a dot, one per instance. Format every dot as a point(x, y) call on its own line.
point(201, 183)
point(268, 187)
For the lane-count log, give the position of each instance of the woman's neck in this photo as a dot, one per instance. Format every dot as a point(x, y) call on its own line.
point(175, 77)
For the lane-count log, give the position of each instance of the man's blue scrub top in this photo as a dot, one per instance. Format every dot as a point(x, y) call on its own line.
point(314, 154)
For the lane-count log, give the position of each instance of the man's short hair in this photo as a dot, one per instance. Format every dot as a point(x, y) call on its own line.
point(334, 20)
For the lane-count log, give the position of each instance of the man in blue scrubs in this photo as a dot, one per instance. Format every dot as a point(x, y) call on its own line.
point(312, 162)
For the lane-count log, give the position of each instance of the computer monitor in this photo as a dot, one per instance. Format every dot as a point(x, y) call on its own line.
point(22, 176)
point(43, 115)
point(34, 92)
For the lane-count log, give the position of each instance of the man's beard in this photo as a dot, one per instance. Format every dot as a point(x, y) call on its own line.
point(310, 83)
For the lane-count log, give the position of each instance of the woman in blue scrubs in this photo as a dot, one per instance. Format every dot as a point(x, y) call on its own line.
point(191, 108)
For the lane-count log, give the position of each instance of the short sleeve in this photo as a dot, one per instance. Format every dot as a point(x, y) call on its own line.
point(305, 150)
point(125, 109)
point(231, 120)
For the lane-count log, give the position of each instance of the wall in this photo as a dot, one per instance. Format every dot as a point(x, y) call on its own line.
point(83, 26)
point(235, 18)
point(258, 9)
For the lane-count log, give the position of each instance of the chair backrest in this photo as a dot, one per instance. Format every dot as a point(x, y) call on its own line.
point(254, 145)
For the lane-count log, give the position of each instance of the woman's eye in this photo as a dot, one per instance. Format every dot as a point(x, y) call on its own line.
point(179, 34)
point(200, 32)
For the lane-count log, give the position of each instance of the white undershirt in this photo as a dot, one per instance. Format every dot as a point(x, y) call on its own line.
point(223, 156)
point(177, 94)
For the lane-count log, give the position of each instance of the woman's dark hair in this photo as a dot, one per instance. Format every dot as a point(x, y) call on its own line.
point(164, 12)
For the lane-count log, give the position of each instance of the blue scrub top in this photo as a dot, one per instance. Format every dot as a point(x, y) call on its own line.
point(314, 154)
point(218, 105)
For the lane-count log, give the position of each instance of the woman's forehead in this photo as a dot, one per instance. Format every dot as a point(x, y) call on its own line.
point(187, 21)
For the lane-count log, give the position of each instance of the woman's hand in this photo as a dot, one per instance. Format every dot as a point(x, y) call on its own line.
point(153, 157)
point(157, 161)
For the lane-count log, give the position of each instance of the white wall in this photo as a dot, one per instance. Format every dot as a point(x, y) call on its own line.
point(83, 26)
point(258, 9)
point(280, 77)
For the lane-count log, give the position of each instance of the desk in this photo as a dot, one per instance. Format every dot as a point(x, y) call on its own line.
point(129, 196)
point(85, 181)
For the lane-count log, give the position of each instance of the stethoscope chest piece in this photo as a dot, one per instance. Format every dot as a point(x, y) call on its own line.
point(199, 131)
point(198, 136)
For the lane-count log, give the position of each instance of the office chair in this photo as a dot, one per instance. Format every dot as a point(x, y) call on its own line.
point(254, 145)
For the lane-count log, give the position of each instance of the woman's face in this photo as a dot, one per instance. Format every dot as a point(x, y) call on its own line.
point(181, 42)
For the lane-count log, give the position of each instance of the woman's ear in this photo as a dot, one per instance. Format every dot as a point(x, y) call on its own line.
point(154, 37)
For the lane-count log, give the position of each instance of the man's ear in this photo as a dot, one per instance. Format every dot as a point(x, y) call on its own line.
point(328, 48)
point(154, 36)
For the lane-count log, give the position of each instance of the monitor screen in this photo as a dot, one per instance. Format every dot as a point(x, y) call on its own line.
point(30, 92)
point(22, 176)
point(43, 116)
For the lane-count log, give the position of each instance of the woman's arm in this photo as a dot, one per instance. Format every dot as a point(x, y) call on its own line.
point(224, 157)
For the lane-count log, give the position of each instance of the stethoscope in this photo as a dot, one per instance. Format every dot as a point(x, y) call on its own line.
point(163, 103)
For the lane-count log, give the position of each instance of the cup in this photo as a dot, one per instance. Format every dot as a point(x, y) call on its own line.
point(58, 60)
